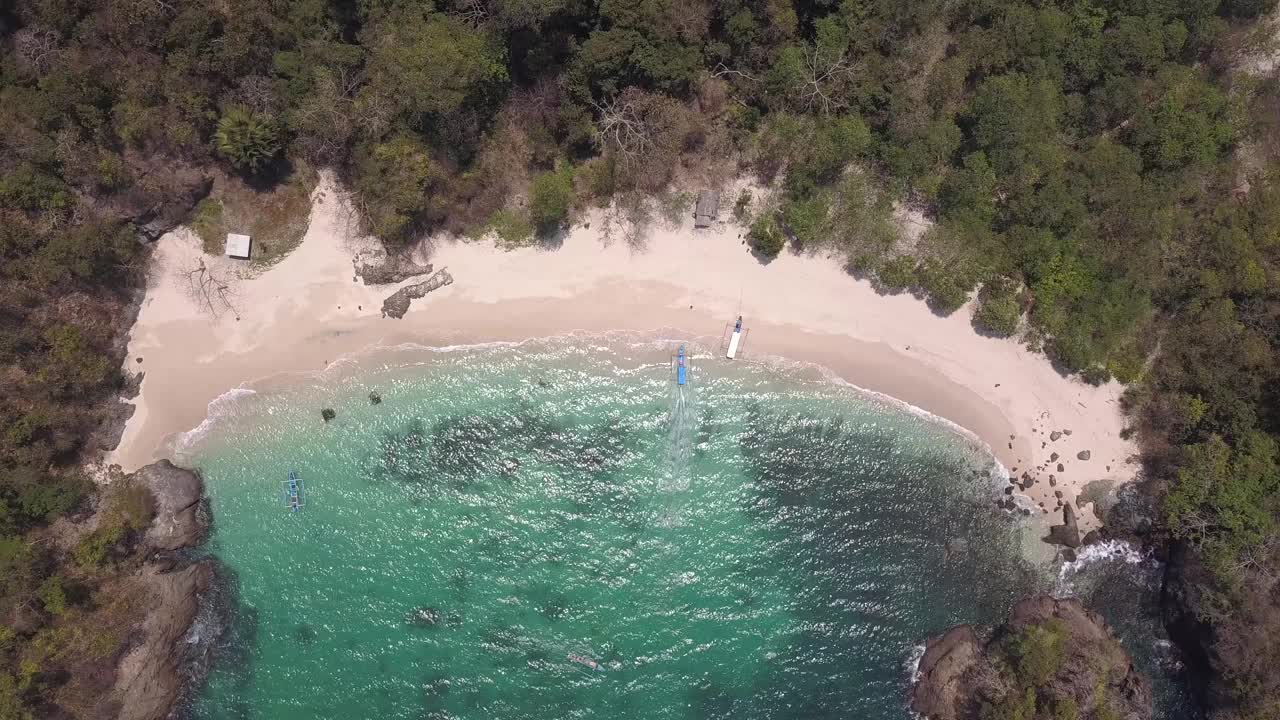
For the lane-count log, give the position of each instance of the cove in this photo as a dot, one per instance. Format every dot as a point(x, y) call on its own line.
point(765, 545)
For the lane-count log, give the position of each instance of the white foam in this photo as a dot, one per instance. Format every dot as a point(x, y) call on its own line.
point(913, 662)
point(1106, 551)
point(219, 407)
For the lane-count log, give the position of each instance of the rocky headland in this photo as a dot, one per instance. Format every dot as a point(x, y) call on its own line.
point(152, 676)
point(1051, 659)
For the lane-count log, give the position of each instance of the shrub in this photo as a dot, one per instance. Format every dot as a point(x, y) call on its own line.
point(897, 274)
point(765, 237)
point(511, 227)
point(946, 287)
point(742, 207)
point(806, 219)
point(550, 197)
point(1037, 652)
point(998, 310)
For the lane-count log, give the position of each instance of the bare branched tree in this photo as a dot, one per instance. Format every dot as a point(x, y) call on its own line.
point(722, 70)
point(624, 129)
point(824, 68)
point(473, 12)
point(210, 291)
point(36, 49)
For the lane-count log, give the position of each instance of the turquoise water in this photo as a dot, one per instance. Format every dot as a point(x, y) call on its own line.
point(764, 544)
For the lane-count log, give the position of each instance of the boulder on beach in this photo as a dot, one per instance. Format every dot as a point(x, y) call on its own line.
point(394, 269)
point(397, 304)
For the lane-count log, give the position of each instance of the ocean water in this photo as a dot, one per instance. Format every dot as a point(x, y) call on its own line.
point(762, 543)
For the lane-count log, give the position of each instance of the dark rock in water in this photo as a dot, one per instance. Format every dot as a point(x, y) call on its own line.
point(1053, 457)
point(1055, 435)
point(1062, 468)
point(1057, 494)
point(1053, 481)
point(1084, 454)
point(1091, 537)
point(328, 414)
point(305, 634)
point(1066, 432)
point(959, 674)
point(1008, 491)
point(1068, 533)
point(375, 398)
point(425, 616)
point(1068, 555)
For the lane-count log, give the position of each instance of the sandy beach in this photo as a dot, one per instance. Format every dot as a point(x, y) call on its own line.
point(307, 312)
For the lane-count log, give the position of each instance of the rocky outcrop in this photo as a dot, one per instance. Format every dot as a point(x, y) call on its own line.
point(398, 304)
point(180, 520)
point(1068, 533)
point(151, 676)
point(163, 193)
point(1057, 649)
point(394, 269)
point(947, 660)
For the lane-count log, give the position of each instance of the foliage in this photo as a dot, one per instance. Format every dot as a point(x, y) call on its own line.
point(392, 181)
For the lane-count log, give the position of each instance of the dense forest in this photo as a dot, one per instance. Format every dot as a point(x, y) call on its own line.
point(1103, 174)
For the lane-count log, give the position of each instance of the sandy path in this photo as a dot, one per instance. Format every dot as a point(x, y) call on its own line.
point(305, 312)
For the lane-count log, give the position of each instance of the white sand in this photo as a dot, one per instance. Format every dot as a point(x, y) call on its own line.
point(306, 312)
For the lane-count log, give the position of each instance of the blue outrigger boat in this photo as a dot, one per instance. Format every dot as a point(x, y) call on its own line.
point(293, 492)
point(680, 366)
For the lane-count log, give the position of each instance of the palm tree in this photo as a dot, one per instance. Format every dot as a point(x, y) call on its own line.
point(245, 139)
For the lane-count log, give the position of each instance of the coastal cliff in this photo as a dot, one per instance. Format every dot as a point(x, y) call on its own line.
point(1052, 658)
point(152, 675)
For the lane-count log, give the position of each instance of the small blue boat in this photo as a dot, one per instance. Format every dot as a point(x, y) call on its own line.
point(293, 492)
point(681, 368)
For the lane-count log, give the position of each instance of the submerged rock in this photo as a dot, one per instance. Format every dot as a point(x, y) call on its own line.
point(1076, 660)
point(425, 616)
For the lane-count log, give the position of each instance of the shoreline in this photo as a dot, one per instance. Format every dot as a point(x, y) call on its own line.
point(307, 312)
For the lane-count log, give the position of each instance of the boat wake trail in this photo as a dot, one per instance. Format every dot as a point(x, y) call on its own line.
point(680, 435)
